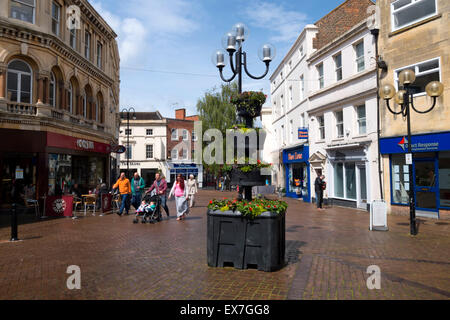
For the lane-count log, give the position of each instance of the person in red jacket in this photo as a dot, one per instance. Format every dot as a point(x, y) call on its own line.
point(160, 186)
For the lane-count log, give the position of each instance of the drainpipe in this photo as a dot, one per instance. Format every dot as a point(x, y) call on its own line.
point(375, 33)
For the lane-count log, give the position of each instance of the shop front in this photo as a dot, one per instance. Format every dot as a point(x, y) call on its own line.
point(78, 161)
point(430, 168)
point(296, 164)
point(185, 169)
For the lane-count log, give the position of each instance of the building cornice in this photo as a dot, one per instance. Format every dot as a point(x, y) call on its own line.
point(95, 18)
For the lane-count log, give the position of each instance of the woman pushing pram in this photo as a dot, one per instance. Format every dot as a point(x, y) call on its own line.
point(149, 210)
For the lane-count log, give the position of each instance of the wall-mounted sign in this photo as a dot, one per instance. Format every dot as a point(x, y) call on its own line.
point(302, 133)
point(420, 143)
point(85, 144)
point(297, 155)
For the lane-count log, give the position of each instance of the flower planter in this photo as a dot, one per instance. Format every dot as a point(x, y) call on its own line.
point(245, 113)
point(242, 242)
point(251, 178)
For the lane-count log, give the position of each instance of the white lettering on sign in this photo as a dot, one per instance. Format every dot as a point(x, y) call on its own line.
point(84, 144)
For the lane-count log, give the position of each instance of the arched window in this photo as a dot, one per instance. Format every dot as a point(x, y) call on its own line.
point(69, 97)
point(96, 110)
point(84, 105)
point(52, 97)
point(19, 81)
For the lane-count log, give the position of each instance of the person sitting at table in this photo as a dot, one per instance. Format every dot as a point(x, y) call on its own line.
point(76, 190)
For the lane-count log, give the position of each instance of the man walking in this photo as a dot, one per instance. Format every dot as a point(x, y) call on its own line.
point(319, 186)
point(125, 190)
point(160, 186)
point(137, 189)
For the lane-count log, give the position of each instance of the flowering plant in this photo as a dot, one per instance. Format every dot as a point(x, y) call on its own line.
point(250, 209)
point(247, 167)
point(249, 101)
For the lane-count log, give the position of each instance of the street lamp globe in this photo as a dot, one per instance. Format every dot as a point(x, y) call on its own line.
point(399, 97)
point(229, 42)
point(241, 31)
point(387, 92)
point(407, 77)
point(267, 52)
point(218, 59)
point(434, 89)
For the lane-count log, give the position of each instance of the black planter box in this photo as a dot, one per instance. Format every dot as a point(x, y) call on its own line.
point(243, 243)
point(252, 178)
point(242, 112)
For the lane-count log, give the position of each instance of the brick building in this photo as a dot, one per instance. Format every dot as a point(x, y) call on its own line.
point(181, 139)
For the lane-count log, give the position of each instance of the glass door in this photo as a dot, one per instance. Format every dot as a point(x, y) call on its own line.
point(362, 187)
point(425, 185)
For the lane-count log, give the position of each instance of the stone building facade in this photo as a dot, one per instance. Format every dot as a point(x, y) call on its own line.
point(59, 95)
point(416, 35)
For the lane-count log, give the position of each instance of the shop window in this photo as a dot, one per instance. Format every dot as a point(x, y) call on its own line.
point(361, 114)
point(23, 10)
point(407, 12)
point(425, 73)
point(149, 132)
point(339, 180)
point(399, 179)
point(56, 16)
point(59, 174)
point(444, 179)
point(19, 82)
point(149, 151)
point(345, 180)
point(359, 50)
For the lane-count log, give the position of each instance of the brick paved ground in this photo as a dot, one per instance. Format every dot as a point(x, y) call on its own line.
point(327, 256)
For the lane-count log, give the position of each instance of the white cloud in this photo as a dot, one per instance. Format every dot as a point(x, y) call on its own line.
point(286, 24)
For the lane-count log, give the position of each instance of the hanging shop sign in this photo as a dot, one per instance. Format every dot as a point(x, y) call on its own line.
point(302, 133)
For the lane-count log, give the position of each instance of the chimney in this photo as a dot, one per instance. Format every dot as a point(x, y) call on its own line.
point(180, 114)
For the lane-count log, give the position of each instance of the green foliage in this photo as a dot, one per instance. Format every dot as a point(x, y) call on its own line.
point(250, 209)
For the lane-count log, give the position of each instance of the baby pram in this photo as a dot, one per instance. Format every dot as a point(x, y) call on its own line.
point(148, 215)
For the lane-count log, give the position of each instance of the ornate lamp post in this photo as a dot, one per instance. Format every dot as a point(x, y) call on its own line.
point(405, 99)
point(232, 42)
point(127, 133)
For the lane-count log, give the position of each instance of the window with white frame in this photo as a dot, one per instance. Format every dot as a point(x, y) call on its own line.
point(281, 75)
point(425, 73)
point(361, 119)
point(320, 75)
point(185, 135)
point(19, 82)
point(87, 45)
point(407, 12)
point(73, 38)
point(282, 135)
point(149, 151)
point(174, 154)
point(345, 180)
point(339, 118)
point(302, 120)
point(56, 16)
point(321, 123)
point(338, 64)
point(174, 134)
point(359, 50)
point(129, 152)
point(282, 104)
point(291, 131)
point(23, 10)
point(149, 132)
point(302, 87)
point(290, 97)
point(290, 65)
point(194, 136)
point(128, 132)
point(52, 90)
point(184, 153)
point(301, 51)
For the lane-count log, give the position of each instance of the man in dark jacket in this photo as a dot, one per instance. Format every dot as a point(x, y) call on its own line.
point(137, 190)
point(160, 186)
point(319, 186)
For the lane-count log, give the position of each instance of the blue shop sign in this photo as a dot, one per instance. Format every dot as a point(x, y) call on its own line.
point(420, 143)
point(302, 133)
point(296, 155)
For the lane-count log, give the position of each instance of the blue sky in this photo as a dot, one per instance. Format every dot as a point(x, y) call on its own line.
point(166, 45)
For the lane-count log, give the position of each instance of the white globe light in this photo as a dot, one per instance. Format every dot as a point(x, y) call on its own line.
point(229, 42)
point(241, 31)
point(219, 58)
point(267, 52)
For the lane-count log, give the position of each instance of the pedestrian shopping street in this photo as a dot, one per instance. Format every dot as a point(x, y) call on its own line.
point(327, 255)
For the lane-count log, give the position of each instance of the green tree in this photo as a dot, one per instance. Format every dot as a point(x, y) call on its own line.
point(216, 112)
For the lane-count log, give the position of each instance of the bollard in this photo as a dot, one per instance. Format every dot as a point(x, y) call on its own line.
point(14, 236)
